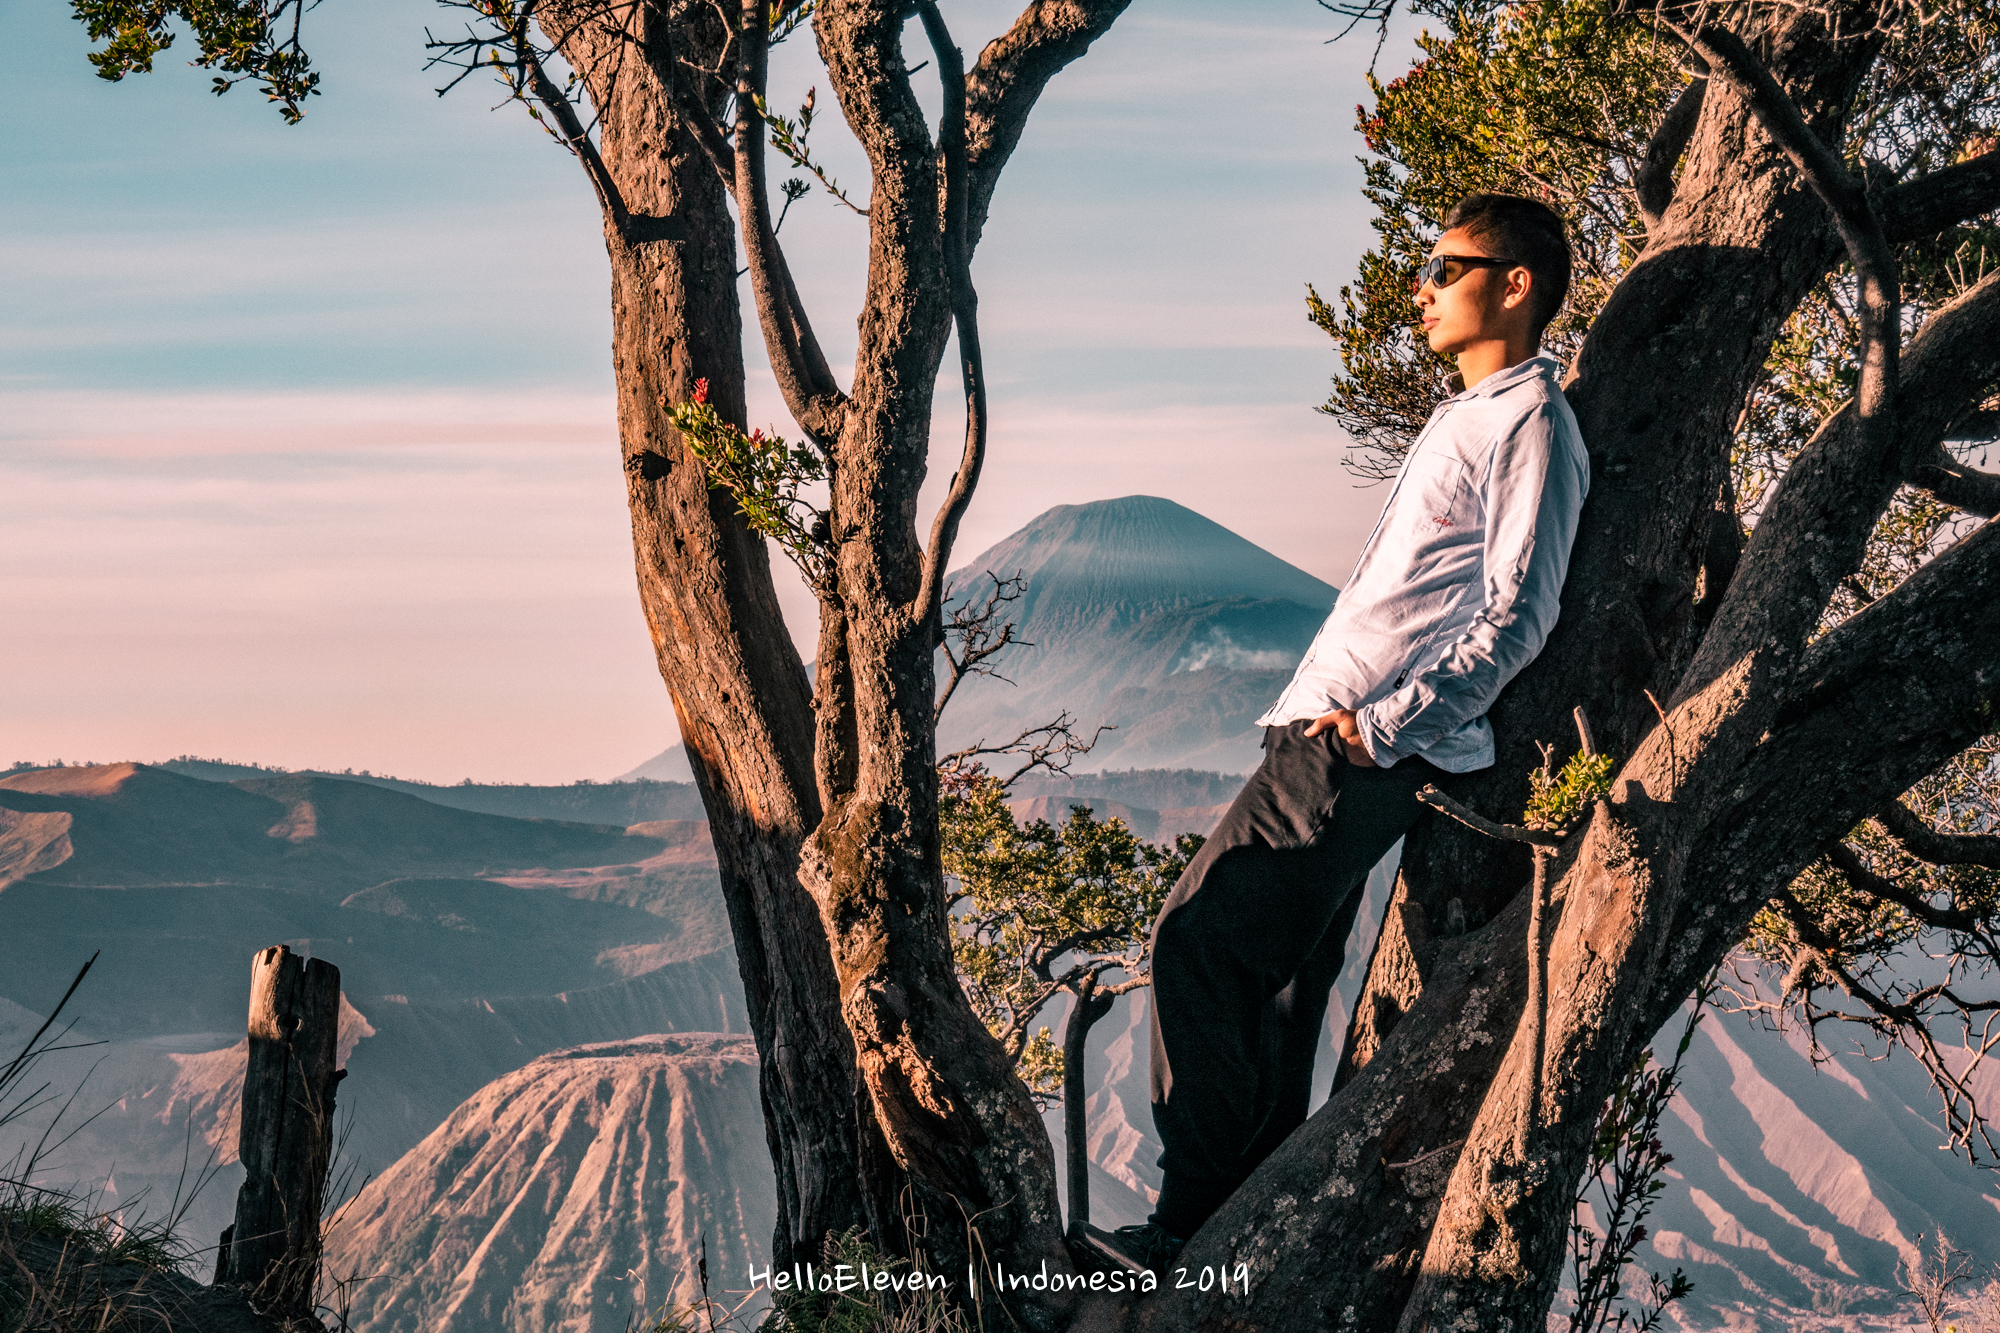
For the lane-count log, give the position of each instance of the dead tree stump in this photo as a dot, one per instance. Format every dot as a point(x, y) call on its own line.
point(287, 1132)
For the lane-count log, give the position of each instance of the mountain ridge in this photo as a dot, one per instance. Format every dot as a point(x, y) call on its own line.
point(1145, 617)
point(1094, 565)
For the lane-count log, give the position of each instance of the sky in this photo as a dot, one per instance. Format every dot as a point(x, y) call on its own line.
point(307, 443)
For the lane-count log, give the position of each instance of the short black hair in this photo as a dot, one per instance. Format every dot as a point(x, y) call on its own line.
point(1526, 231)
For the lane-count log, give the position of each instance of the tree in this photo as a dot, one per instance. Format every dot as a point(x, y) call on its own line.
point(1042, 910)
point(823, 795)
point(1434, 1188)
point(1720, 676)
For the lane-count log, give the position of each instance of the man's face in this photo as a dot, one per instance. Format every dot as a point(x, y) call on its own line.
point(1478, 306)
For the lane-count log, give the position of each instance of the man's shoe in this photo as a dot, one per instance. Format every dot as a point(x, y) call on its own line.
point(1147, 1247)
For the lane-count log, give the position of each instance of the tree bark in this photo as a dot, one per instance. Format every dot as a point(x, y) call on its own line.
point(286, 1137)
point(738, 687)
point(942, 1089)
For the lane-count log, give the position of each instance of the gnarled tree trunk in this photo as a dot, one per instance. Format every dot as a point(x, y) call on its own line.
point(739, 691)
point(1435, 1188)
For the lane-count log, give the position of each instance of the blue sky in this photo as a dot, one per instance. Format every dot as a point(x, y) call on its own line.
point(307, 451)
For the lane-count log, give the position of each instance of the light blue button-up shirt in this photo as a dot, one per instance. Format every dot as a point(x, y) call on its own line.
point(1461, 580)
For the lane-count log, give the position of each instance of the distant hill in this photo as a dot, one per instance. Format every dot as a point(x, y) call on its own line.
point(127, 825)
point(573, 1194)
point(468, 943)
point(179, 881)
point(633, 799)
point(669, 765)
point(155, 1111)
point(1140, 613)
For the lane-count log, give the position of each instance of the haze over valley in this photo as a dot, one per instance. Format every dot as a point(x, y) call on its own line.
point(552, 1096)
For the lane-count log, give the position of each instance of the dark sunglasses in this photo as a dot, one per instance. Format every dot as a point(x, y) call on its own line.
point(1444, 270)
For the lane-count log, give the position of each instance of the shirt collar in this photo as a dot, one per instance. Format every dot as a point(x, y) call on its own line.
point(1502, 380)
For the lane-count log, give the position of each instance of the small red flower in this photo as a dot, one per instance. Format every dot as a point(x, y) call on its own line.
point(701, 391)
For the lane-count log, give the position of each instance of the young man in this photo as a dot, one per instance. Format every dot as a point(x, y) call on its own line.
point(1455, 592)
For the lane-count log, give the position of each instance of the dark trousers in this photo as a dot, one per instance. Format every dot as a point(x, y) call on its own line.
point(1246, 951)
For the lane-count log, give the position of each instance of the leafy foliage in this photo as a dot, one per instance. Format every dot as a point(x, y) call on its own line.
point(1550, 100)
point(248, 40)
point(789, 136)
point(765, 474)
point(1041, 909)
point(1554, 801)
point(1559, 101)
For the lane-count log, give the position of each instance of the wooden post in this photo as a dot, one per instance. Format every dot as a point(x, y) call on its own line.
point(1090, 1006)
point(287, 1132)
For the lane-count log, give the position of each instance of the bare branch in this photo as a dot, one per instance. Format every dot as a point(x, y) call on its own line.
point(1654, 180)
point(971, 624)
point(804, 378)
point(1009, 76)
point(1915, 836)
point(1904, 1022)
point(964, 310)
point(1051, 747)
point(1437, 800)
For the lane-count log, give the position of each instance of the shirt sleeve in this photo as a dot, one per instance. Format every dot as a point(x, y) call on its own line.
point(1533, 491)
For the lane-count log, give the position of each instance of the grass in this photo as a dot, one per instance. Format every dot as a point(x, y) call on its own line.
point(66, 1261)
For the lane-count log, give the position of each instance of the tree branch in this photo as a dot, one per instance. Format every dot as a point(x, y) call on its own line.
point(1845, 197)
point(1808, 539)
point(1870, 709)
point(708, 133)
point(1906, 1023)
point(1915, 836)
point(978, 642)
point(1954, 363)
point(575, 138)
point(1884, 697)
point(1930, 204)
point(1052, 747)
point(1437, 800)
point(804, 378)
point(1009, 77)
point(964, 310)
point(1881, 886)
point(1957, 484)
point(527, 74)
point(1654, 180)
